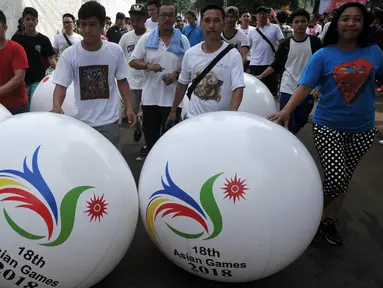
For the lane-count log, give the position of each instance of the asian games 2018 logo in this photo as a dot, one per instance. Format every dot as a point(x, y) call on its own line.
point(17, 186)
point(172, 200)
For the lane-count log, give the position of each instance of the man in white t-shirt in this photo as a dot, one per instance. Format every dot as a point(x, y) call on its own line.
point(234, 36)
point(153, 8)
point(222, 88)
point(246, 28)
point(135, 77)
point(68, 38)
point(262, 51)
point(160, 53)
point(94, 66)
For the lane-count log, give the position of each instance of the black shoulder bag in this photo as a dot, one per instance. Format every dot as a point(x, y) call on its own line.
point(207, 69)
point(266, 39)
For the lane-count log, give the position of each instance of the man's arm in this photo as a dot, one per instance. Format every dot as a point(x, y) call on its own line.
point(19, 65)
point(62, 77)
point(237, 80)
point(123, 87)
point(180, 93)
point(49, 53)
point(236, 99)
point(14, 83)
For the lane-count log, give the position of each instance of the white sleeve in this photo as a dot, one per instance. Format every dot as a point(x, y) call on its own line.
point(122, 65)
point(279, 34)
point(237, 77)
point(139, 51)
point(55, 43)
point(63, 74)
point(185, 76)
point(186, 43)
point(318, 30)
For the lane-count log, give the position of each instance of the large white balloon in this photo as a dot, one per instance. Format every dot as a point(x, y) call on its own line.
point(4, 113)
point(257, 98)
point(68, 201)
point(42, 99)
point(227, 209)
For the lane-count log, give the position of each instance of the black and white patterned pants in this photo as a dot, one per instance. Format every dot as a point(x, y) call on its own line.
point(340, 153)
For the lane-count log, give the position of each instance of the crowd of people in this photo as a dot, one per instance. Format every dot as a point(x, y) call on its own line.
point(154, 60)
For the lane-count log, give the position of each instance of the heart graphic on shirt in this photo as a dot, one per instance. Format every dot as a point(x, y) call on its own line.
point(351, 77)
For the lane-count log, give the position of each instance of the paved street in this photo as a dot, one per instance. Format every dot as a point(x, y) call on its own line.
point(358, 264)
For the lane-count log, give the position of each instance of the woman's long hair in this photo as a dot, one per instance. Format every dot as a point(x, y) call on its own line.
point(332, 34)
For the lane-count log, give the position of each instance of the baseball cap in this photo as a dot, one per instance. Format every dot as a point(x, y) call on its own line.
point(262, 9)
point(138, 8)
point(232, 10)
point(120, 16)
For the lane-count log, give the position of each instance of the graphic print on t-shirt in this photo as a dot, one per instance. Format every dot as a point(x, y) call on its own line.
point(94, 82)
point(351, 77)
point(209, 88)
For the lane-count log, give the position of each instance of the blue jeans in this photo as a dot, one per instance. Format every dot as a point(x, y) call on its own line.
point(300, 115)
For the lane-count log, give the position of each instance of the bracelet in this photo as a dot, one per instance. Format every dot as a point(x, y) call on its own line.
point(146, 66)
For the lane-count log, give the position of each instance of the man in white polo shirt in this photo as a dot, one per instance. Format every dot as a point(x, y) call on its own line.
point(160, 53)
point(264, 42)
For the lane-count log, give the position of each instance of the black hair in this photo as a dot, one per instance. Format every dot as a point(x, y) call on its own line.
point(282, 17)
point(69, 16)
point(169, 3)
point(31, 12)
point(300, 12)
point(244, 12)
point(212, 7)
point(3, 19)
point(92, 9)
point(155, 3)
point(191, 13)
point(332, 34)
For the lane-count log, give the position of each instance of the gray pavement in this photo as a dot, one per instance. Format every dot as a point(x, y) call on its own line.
point(358, 264)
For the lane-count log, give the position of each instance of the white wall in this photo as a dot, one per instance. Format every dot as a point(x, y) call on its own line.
point(51, 11)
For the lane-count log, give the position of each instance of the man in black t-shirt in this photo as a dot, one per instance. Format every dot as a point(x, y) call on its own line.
point(39, 50)
point(115, 32)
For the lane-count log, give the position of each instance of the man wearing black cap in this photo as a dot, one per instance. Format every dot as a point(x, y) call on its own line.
point(128, 42)
point(264, 42)
point(118, 29)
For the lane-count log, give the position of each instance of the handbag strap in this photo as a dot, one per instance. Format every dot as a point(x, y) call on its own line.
point(67, 40)
point(207, 69)
point(191, 31)
point(266, 39)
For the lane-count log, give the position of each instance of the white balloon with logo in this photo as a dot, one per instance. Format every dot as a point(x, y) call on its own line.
point(42, 99)
point(4, 113)
point(68, 203)
point(227, 210)
point(257, 98)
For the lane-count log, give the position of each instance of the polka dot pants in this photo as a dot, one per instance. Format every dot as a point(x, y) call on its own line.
point(340, 153)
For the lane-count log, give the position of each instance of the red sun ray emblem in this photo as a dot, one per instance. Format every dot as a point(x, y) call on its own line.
point(235, 188)
point(96, 208)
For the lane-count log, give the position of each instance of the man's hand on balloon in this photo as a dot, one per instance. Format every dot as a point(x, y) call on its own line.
point(132, 118)
point(281, 117)
point(57, 110)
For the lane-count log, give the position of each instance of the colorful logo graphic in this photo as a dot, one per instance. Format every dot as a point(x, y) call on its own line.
point(17, 186)
point(173, 200)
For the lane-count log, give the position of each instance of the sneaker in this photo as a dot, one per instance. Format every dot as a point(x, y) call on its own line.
point(318, 236)
point(381, 142)
point(380, 89)
point(330, 232)
point(138, 132)
point(144, 151)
